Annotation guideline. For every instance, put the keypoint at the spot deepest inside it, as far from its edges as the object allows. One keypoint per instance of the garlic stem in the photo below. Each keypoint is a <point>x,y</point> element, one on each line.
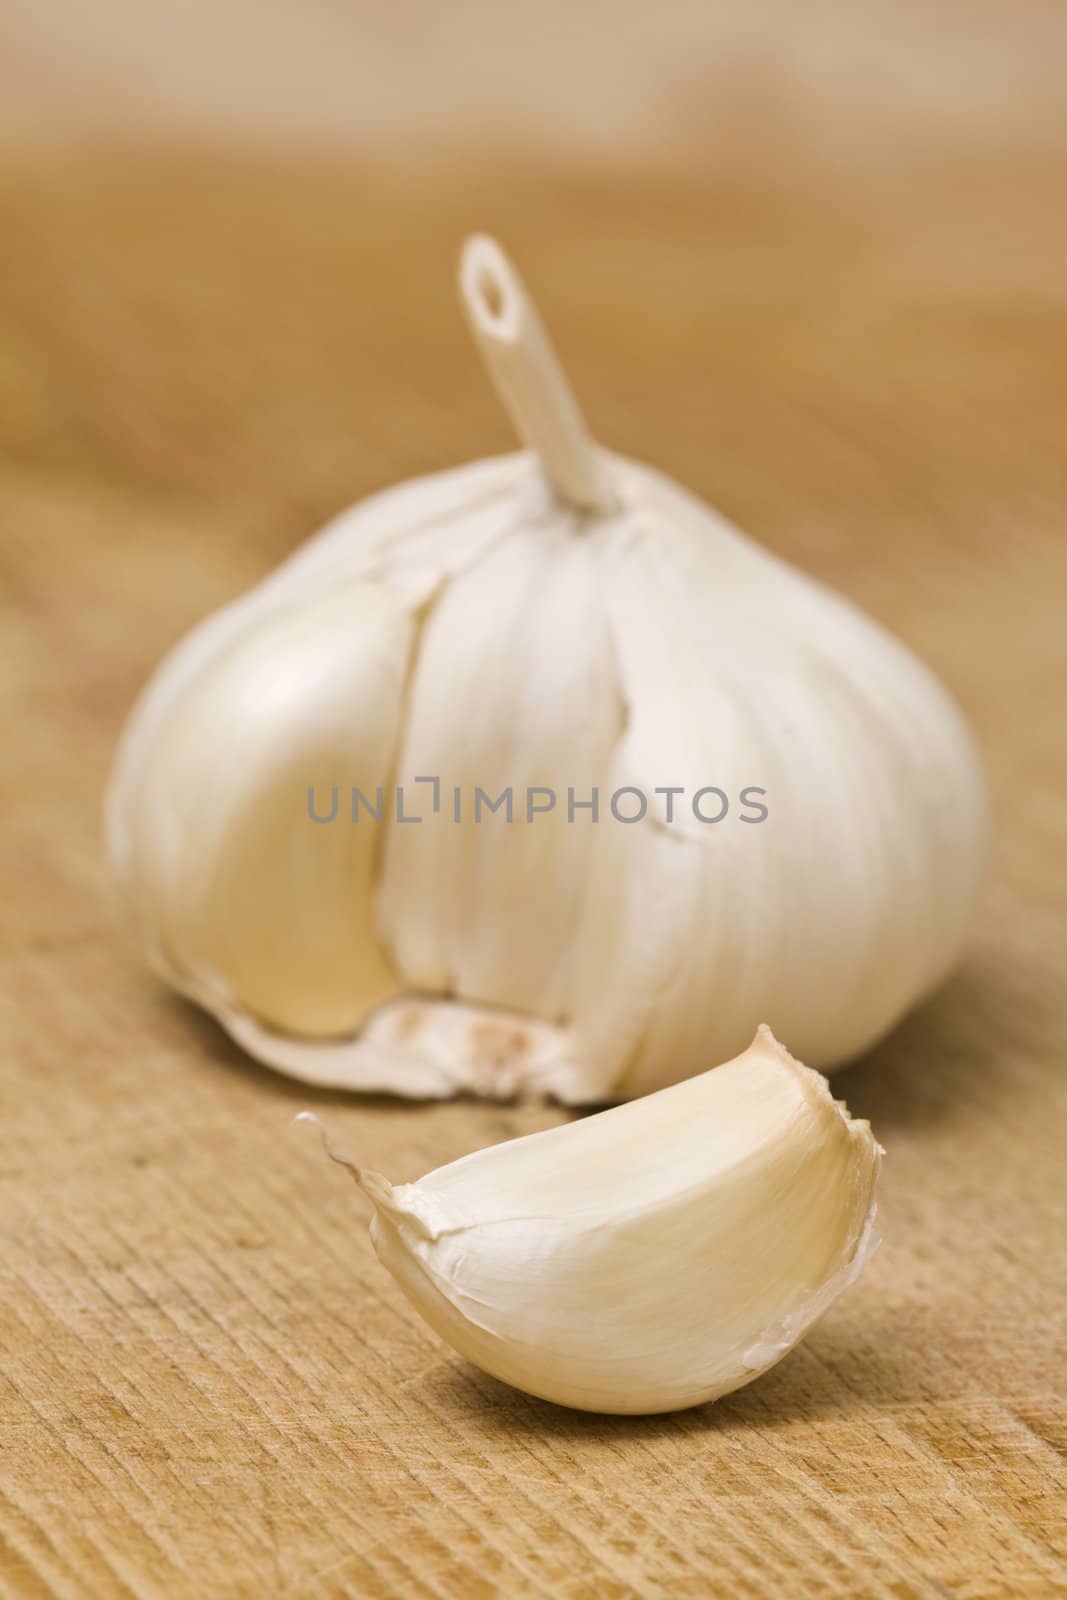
<point>527,376</point>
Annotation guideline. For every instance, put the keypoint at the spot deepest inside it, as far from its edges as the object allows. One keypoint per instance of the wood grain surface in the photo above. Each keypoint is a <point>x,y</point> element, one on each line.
<point>208,1386</point>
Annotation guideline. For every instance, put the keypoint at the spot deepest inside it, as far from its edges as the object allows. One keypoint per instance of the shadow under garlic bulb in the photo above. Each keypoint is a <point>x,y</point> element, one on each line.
<point>556,622</point>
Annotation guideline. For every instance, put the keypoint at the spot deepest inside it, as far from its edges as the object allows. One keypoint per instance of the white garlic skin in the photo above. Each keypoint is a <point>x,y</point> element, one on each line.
<point>651,1257</point>
<point>688,656</point>
<point>477,626</point>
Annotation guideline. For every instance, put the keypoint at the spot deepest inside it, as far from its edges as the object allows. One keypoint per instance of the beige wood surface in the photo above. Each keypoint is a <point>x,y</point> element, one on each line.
<point>207,1384</point>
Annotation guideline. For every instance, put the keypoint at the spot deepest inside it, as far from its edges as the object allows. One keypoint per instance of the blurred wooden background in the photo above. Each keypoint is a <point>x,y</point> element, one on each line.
<point>811,262</point>
<point>607,80</point>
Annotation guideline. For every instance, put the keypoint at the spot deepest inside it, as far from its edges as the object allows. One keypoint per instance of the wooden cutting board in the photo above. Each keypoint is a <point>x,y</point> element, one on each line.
<point>208,1387</point>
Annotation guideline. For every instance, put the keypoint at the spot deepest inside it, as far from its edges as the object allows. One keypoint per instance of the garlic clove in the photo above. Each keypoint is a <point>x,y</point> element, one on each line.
<point>843,728</point>
<point>485,908</point>
<point>239,889</point>
<point>650,1257</point>
<point>180,743</point>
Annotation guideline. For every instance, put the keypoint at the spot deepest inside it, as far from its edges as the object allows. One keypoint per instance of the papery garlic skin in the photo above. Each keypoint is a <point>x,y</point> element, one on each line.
<point>563,617</point>
<point>650,1257</point>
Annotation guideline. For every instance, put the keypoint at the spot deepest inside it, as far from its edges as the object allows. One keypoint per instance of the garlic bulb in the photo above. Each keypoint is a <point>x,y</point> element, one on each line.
<point>649,1257</point>
<point>729,795</point>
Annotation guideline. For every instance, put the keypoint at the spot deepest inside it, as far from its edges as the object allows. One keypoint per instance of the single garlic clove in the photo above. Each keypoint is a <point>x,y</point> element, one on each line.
<point>485,908</point>
<point>650,1257</point>
<point>875,795</point>
<point>236,885</point>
